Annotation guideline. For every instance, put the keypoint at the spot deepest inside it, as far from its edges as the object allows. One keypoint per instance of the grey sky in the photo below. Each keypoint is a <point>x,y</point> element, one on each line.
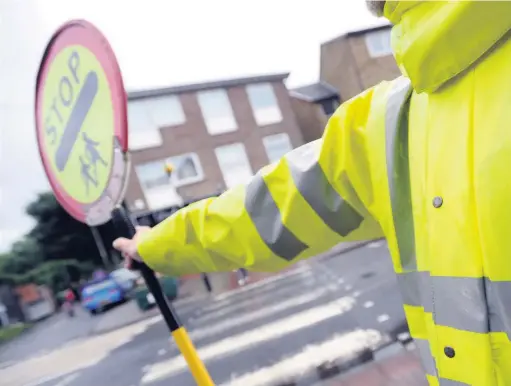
<point>158,43</point>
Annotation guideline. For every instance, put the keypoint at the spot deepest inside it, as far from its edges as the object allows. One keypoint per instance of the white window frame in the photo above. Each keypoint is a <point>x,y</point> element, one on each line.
<point>168,190</point>
<point>267,115</point>
<point>218,124</point>
<point>173,179</point>
<point>276,137</point>
<point>378,43</point>
<point>245,160</point>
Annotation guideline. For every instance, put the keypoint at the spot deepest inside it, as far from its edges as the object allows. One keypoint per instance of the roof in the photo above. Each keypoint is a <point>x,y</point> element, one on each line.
<point>361,31</point>
<point>314,92</point>
<point>140,94</point>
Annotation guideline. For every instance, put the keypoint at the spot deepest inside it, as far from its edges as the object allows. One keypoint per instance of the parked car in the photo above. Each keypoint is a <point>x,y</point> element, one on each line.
<point>145,299</point>
<point>125,278</point>
<point>100,294</point>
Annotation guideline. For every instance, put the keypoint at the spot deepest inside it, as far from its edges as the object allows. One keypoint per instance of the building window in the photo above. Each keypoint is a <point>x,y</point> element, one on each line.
<point>264,103</point>
<point>277,146</point>
<point>147,116</point>
<point>159,189</point>
<point>166,111</point>
<point>234,164</point>
<point>378,43</point>
<point>217,111</point>
<point>142,134</point>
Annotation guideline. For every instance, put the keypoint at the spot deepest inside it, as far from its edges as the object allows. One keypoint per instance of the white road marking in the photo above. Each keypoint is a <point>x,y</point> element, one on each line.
<point>67,380</point>
<point>304,269</point>
<point>368,304</point>
<point>263,285</point>
<point>248,303</point>
<point>375,244</point>
<point>382,318</point>
<point>37,371</point>
<point>340,346</point>
<point>403,336</point>
<point>270,331</point>
<point>257,314</point>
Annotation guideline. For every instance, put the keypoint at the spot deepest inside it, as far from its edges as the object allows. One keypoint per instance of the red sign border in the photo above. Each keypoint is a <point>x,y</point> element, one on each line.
<point>83,33</point>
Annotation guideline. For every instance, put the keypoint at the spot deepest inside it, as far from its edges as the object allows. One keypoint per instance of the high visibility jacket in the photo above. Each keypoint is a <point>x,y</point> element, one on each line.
<point>424,160</point>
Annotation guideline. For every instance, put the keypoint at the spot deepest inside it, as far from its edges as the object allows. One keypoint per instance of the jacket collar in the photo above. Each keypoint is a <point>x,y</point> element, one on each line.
<point>433,41</point>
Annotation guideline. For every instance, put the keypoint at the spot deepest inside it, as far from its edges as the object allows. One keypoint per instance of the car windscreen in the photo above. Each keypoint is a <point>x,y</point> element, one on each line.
<point>97,287</point>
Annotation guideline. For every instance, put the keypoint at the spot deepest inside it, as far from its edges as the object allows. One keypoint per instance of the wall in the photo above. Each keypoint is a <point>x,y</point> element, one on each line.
<point>346,65</point>
<point>311,118</point>
<point>192,136</point>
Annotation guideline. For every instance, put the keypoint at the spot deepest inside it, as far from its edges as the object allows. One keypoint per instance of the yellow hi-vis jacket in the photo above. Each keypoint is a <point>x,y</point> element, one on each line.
<point>425,161</point>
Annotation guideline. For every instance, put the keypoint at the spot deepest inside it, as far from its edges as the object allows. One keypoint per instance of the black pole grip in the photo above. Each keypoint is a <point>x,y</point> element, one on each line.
<point>126,228</point>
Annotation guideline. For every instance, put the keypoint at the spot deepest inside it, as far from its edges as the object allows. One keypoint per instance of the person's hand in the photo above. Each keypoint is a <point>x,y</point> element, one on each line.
<point>128,247</point>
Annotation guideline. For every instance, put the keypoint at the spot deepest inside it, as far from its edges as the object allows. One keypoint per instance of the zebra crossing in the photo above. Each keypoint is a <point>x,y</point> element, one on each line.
<point>273,332</point>
<point>280,329</point>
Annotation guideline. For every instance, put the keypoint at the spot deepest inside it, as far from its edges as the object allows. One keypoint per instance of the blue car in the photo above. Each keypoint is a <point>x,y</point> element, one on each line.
<point>100,294</point>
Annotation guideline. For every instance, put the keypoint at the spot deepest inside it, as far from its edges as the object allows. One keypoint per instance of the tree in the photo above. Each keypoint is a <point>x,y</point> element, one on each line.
<point>60,236</point>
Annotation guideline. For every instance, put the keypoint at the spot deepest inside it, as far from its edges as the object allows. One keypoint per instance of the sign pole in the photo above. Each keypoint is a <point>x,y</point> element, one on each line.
<point>82,136</point>
<point>101,246</point>
<point>126,228</point>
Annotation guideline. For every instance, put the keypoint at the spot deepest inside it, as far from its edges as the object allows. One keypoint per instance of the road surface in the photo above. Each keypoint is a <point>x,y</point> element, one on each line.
<point>262,334</point>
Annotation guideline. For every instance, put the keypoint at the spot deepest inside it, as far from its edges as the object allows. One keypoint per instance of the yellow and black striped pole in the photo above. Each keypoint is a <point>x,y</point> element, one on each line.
<point>126,228</point>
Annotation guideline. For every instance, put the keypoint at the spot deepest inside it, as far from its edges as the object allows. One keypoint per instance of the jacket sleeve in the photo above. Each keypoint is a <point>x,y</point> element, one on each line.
<point>315,197</point>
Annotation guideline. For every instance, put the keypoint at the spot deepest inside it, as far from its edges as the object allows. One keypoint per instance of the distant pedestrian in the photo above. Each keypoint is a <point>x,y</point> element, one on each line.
<point>207,283</point>
<point>242,276</point>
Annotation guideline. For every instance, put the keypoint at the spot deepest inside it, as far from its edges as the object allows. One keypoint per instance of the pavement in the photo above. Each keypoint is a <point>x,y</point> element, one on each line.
<point>276,330</point>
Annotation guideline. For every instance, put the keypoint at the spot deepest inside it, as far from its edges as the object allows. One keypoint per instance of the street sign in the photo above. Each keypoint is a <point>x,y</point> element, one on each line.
<point>81,122</point>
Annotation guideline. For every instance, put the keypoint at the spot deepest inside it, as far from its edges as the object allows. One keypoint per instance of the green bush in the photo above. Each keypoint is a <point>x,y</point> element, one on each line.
<point>11,332</point>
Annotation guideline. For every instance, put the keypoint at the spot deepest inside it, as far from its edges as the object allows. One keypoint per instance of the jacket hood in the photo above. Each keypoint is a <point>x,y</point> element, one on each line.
<point>433,41</point>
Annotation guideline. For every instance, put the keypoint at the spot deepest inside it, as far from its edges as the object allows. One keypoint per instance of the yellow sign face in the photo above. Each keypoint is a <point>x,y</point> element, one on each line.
<point>78,119</point>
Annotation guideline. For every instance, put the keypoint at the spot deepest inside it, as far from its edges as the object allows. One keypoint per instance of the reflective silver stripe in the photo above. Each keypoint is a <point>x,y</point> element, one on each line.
<point>465,303</point>
<point>448,382</point>
<point>460,303</point>
<point>415,289</point>
<point>428,362</point>
<point>398,170</point>
<point>266,217</point>
<point>313,185</point>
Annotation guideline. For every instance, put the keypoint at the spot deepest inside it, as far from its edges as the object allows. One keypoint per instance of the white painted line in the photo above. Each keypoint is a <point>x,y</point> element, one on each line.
<point>368,304</point>
<point>243,305</point>
<point>375,244</point>
<point>333,287</point>
<point>382,318</point>
<point>305,269</point>
<point>263,285</point>
<point>337,348</point>
<point>260,313</point>
<point>67,380</point>
<point>234,344</point>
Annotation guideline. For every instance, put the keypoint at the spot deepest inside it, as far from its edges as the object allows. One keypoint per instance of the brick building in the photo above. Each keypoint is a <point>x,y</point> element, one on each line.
<point>349,64</point>
<point>215,135</point>
<point>358,60</point>
<point>313,104</point>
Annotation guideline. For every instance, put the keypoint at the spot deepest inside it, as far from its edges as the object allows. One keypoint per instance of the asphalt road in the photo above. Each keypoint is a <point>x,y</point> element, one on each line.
<point>262,334</point>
